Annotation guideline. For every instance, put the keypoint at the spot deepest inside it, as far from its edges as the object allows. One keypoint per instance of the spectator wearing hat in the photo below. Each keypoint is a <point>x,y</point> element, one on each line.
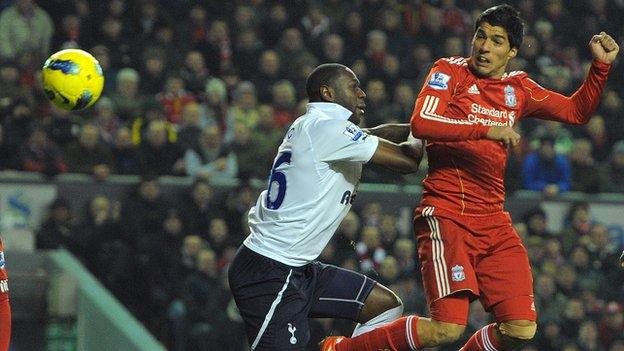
<point>546,171</point>
<point>613,169</point>
<point>216,102</point>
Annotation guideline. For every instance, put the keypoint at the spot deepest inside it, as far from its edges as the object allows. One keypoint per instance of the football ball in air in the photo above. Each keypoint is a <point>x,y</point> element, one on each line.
<point>72,79</point>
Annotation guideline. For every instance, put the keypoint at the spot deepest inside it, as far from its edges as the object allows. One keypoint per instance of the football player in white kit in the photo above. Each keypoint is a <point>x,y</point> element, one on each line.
<point>275,279</point>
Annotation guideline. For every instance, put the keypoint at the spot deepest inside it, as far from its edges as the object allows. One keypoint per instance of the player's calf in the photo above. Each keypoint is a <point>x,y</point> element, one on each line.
<point>435,333</point>
<point>516,333</point>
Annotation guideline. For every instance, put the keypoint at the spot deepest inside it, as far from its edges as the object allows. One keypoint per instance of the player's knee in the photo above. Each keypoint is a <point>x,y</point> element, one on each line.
<point>385,298</point>
<point>520,330</point>
<point>446,333</point>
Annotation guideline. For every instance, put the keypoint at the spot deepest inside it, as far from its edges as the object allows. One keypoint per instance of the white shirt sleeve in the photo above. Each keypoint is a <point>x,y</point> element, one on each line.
<point>341,140</point>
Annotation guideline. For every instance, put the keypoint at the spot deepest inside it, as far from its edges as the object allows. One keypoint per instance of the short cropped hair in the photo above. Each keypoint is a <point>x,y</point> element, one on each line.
<point>324,74</point>
<point>507,17</point>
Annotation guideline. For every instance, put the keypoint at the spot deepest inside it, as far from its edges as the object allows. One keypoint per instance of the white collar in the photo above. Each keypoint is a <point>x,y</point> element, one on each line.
<point>330,109</point>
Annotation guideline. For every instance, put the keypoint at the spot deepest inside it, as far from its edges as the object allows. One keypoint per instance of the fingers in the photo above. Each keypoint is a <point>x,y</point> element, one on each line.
<point>607,42</point>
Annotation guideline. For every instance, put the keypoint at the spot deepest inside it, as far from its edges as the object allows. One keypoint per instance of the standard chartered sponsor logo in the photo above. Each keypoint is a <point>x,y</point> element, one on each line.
<point>492,112</point>
<point>486,122</point>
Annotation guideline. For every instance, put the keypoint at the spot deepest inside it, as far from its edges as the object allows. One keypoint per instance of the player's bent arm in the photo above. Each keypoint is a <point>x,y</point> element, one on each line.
<point>395,133</point>
<point>403,158</point>
<point>576,109</point>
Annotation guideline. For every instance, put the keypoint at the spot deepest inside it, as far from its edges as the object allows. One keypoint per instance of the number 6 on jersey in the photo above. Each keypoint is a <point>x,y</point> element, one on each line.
<point>273,202</point>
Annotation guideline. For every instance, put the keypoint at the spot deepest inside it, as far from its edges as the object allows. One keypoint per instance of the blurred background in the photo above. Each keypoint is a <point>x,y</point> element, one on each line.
<point>120,221</point>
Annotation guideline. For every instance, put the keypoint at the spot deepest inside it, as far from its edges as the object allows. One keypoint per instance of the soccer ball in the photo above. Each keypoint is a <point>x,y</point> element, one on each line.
<point>72,79</point>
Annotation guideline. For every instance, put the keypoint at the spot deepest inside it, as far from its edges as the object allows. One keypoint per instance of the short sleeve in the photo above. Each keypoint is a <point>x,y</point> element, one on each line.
<point>340,140</point>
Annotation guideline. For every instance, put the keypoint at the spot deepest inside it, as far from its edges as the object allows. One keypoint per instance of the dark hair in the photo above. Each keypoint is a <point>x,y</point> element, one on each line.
<point>324,74</point>
<point>507,17</point>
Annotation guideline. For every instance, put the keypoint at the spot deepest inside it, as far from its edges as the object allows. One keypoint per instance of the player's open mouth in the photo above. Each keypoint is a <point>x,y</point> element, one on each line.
<point>361,108</point>
<point>482,61</point>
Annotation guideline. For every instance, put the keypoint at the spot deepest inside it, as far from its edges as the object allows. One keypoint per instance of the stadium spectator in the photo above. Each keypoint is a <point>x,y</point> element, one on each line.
<point>586,175</point>
<point>211,158</point>
<point>190,128</point>
<point>106,120</point>
<point>194,72</point>
<point>267,73</point>
<point>205,299</point>
<point>611,324</point>
<point>25,28</point>
<point>58,229</point>
<point>157,154</point>
<point>153,72</point>
<point>174,97</point>
<point>370,250</point>
<point>244,109</point>
<point>199,207</point>
<point>284,103</point>
<point>124,153</point>
<point>40,154</point>
<point>216,102</point>
<point>126,98</point>
<point>88,155</point>
<point>613,169</point>
<point>546,171</point>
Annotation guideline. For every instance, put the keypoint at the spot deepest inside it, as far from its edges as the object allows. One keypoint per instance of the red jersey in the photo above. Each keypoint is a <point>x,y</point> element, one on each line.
<point>455,110</point>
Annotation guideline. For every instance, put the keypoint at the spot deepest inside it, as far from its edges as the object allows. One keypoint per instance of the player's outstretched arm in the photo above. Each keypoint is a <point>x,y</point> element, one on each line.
<point>403,158</point>
<point>396,133</point>
<point>578,108</point>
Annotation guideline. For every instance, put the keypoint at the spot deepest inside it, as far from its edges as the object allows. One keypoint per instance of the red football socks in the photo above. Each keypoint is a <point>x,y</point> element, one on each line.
<point>482,340</point>
<point>398,335</point>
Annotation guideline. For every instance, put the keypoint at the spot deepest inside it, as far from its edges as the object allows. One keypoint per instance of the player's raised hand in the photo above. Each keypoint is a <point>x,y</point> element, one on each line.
<point>505,134</point>
<point>603,47</point>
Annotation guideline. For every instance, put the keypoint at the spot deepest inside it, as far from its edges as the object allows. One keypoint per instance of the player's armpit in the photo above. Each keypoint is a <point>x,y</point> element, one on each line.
<point>403,158</point>
<point>577,109</point>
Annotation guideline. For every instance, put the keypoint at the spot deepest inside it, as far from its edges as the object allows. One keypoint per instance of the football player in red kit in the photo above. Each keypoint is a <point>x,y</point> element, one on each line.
<point>467,246</point>
<point>5,308</point>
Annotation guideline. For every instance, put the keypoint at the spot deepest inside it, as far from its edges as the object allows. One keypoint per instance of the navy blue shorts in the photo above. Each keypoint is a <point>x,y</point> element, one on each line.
<point>276,300</point>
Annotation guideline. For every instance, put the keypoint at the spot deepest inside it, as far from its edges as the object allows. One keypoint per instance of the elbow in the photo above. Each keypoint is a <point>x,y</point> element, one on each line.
<point>409,167</point>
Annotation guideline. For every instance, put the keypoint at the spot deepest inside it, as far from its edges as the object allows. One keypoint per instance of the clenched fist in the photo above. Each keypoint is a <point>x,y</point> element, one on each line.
<point>603,47</point>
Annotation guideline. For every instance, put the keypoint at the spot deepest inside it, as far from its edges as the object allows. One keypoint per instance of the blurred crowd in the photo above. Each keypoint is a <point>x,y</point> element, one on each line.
<point>206,89</point>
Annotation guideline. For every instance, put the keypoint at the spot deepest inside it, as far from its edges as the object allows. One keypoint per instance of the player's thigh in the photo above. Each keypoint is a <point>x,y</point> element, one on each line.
<point>340,293</point>
<point>273,300</point>
<point>505,280</point>
<point>446,257</point>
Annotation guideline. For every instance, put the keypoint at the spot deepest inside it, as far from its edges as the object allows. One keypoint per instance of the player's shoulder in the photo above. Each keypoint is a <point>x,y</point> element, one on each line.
<point>454,61</point>
<point>516,75</point>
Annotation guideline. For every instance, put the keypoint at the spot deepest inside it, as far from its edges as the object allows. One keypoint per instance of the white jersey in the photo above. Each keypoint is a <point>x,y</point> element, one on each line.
<point>313,182</point>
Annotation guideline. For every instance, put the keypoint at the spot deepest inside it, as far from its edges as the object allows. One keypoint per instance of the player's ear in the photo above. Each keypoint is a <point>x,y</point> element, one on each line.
<point>327,93</point>
<point>512,53</point>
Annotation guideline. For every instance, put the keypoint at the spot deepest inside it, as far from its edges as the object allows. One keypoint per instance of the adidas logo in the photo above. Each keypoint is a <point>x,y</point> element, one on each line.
<point>473,89</point>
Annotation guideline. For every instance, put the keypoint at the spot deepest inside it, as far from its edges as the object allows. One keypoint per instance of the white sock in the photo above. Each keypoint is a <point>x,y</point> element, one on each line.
<point>379,320</point>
